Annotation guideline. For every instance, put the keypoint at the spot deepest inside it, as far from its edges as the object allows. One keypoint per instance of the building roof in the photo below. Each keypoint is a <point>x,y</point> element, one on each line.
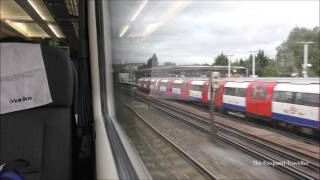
<point>188,68</point>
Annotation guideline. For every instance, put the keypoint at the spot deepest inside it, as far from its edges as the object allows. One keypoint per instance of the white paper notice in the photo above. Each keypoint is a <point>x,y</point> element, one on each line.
<point>24,82</point>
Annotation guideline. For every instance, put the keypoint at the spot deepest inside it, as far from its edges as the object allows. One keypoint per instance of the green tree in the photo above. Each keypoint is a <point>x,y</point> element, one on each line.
<point>143,66</point>
<point>261,61</point>
<point>270,70</point>
<point>239,62</point>
<point>290,53</point>
<point>221,60</point>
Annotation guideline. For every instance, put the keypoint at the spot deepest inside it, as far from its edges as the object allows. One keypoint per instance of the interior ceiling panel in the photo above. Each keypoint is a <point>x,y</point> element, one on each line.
<point>60,13</point>
<point>32,18</point>
<point>43,10</point>
<point>72,6</point>
<point>28,29</point>
<point>7,31</point>
<point>9,9</point>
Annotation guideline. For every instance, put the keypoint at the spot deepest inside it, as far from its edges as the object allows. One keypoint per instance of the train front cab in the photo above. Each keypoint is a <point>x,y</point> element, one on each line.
<point>258,99</point>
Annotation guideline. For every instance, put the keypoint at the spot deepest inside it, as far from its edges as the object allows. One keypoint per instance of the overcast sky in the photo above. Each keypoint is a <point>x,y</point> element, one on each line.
<point>187,32</point>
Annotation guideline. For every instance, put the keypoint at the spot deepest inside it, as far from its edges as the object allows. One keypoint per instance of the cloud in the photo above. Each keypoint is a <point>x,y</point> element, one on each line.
<point>203,29</point>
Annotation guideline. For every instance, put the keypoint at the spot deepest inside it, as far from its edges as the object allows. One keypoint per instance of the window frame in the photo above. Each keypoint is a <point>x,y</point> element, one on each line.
<point>198,87</point>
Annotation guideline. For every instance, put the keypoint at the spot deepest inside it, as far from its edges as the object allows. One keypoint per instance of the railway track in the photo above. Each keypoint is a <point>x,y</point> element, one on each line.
<point>309,139</point>
<point>293,163</point>
<point>196,164</point>
<point>313,140</point>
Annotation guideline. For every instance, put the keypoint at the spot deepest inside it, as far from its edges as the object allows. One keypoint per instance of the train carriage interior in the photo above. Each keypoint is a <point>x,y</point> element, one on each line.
<point>151,89</point>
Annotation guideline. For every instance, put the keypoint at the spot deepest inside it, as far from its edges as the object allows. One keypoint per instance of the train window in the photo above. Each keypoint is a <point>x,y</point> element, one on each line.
<point>229,91</point>
<point>153,83</point>
<point>176,85</point>
<point>163,84</point>
<point>181,42</point>
<point>259,91</point>
<point>240,92</point>
<point>283,96</point>
<point>307,99</point>
<point>196,87</point>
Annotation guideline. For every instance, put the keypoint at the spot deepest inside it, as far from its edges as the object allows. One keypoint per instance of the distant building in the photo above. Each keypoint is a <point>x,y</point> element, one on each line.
<point>126,72</point>
<point>189,71</point>
<point>124,77</point>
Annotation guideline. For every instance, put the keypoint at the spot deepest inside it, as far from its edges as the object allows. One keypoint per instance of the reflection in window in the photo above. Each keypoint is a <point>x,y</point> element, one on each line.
<point>240,92</point>
<point>229,91</point>
<point>163,84</point>
<point>178,86</point>
<point>283,96</point>
<point>259,91</point>
<point>196,87</point>
<point>307,99</point>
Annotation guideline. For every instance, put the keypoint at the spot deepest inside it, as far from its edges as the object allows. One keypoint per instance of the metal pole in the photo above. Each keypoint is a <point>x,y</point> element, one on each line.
<point>229,65</point>
<point>305,61</point>
<point>213,126</point>
<point>229,68</point>
<point>253,66</point>
<point>253,63</point>
<point>305,57</point>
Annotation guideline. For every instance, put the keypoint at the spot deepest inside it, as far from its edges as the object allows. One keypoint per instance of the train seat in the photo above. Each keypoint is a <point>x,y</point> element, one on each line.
<point>43,135</point>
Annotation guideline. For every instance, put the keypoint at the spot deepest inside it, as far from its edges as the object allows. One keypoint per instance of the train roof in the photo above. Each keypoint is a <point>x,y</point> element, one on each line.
<point>313,88</point>
<point>278,80</point>
<point>315,80</point>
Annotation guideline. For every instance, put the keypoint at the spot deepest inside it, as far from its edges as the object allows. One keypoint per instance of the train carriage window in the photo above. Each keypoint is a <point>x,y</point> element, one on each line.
<point>283,96</point>
<point>307,99</point>
<point>163,84</point>
<point>240,92</point>
<point>176,85</point>
<point>229,91</point>
<point>259,91</point>
<point>196,87</point>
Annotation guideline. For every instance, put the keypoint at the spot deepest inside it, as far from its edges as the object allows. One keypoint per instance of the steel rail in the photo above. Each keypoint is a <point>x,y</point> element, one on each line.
<point>203,170</point>
<point>195,121</point>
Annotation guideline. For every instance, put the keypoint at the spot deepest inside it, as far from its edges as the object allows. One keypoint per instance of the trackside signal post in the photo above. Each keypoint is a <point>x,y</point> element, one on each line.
<point>214,85</point>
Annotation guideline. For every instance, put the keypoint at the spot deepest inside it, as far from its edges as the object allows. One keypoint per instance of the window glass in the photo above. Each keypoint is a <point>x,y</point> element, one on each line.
<point>259,91</point>
<point>240,92</point>
<point>153,84</point>
<point>175,85</point>
<point>307,99</point>
<point>163,84</point>
<point>229,91</point>
<point>283,96</point>
<point>185,41</point>
<point>196,87</point>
